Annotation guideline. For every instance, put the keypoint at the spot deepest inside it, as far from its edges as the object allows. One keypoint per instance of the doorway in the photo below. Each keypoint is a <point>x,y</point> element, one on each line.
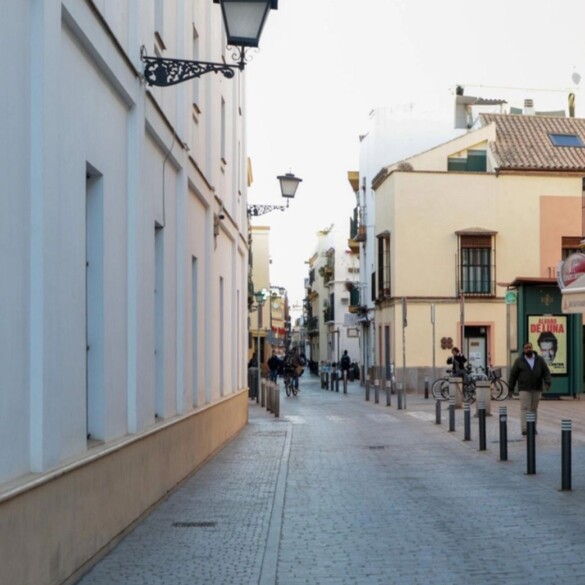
<point>475,346</point>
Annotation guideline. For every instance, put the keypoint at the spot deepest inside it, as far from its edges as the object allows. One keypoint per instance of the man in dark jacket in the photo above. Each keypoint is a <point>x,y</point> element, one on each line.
<point>531,372</point>
<point>274,364</point>
<point>457,362</point>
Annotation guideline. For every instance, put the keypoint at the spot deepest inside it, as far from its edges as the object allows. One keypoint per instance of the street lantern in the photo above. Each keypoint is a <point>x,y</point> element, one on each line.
<point>288,185</point>
<point>288,189</point>
<point>243,21</point>
<point>261,296</point>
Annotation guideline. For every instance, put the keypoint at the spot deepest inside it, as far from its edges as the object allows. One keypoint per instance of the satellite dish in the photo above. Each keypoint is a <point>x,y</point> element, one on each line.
<point>576,78</point>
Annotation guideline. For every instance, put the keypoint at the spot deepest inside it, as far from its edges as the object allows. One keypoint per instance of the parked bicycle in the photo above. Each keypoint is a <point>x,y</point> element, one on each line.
<point>499,389</point>
<point>440,387</point>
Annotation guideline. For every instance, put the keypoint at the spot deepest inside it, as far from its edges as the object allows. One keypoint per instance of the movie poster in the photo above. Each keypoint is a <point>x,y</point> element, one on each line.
<point>548,335</point>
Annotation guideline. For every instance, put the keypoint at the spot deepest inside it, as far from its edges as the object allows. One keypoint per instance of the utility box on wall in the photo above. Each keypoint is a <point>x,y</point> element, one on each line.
<point>557,337</point>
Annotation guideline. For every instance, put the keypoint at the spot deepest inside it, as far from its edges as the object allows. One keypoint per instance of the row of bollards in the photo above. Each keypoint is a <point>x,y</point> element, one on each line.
<point>389,388</point>
<point>330,379</point>
<point>566,439</point>
<point>331,376</point>
<point>270,397</point>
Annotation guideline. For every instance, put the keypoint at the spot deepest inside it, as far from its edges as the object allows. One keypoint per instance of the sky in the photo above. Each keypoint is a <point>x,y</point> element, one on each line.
<point>324,65</point>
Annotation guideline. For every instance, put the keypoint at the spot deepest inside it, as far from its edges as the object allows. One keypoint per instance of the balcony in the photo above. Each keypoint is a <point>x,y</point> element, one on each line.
<point>312,325</point>
<point>327,272</point>
<point>328,314</point>
<point>361,234</point>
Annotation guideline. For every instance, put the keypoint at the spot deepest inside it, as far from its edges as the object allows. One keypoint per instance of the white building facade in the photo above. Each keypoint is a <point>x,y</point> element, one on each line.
<point>330,268</point>
<point>123,250</point>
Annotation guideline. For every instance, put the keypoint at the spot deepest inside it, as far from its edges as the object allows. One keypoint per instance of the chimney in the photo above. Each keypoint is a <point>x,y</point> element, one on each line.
<point>529,107</point>
<point>571,105</point>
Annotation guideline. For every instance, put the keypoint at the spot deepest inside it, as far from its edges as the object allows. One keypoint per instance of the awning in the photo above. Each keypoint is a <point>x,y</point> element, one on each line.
<point>574,296</point>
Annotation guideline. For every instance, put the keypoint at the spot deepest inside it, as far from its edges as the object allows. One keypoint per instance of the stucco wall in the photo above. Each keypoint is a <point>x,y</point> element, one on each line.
<point>52,525</point>
<point>423,211</point>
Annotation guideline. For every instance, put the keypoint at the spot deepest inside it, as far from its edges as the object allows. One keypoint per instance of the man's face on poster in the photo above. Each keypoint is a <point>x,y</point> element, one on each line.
<point>547,351</point>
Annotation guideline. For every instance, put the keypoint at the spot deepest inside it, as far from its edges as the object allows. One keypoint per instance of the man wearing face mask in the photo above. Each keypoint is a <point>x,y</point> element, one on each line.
<point>531,373</point>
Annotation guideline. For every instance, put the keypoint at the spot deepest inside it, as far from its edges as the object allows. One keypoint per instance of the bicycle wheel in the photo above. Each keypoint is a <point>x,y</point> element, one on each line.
<point>505,389</point>
<point>469,392</point>
<point>445,390</point>
<point>496,390</point>
<point>436,389</point>
<point>287,386</point>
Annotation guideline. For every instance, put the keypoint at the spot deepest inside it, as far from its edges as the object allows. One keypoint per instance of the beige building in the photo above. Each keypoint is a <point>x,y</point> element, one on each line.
<point>458,224</point>
<point>268,317</point>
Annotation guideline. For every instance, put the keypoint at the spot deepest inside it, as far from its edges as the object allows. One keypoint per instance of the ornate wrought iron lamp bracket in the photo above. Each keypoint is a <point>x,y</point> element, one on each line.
<point>255,210</point>
<point>164,72</point>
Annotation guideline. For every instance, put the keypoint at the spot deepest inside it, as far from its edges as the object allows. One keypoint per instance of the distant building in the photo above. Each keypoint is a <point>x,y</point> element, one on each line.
<point>330,325</point>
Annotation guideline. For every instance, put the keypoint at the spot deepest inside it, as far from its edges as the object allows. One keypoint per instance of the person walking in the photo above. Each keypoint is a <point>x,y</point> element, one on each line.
<point>274,366</point>
<point>532,374</point>
<point>345,365</point>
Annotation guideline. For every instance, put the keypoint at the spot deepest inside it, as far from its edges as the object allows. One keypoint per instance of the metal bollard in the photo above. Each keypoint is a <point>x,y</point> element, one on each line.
<point>276,400</point>
<point>367,390</point>
<point>466,422</point>
<point>262,393</point>
<point>426,387</point>
<point>376,391</point>
<point>268,396</point>
<point>336,381</point>
<point>566,427</point>
<point>438,412</point>
<point>400,396</point>
<point>388,392</point>
<point>345,381</point>
<point>503,433</point>
<point>482,429</point>
<point>451,414</point>
<point>530,443</point>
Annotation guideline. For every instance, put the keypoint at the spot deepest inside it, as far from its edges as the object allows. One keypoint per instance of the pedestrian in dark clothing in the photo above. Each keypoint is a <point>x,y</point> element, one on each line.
<point>345,365</point>
<point>457,361</point>
<point>531,373</point>
<point>273,366</point>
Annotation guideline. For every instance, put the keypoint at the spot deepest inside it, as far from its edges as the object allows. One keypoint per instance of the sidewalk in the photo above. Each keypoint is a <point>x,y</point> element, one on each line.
<point>342,491</point>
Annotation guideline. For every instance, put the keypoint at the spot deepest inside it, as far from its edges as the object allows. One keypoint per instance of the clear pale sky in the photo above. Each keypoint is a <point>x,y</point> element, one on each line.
<point>323,65</point>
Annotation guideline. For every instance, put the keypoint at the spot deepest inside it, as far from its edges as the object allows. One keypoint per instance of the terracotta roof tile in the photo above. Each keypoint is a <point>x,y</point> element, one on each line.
<point>523,142</point>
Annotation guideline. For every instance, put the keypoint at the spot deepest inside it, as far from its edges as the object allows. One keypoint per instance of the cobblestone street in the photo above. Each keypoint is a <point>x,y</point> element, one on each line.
<point>341,491</point>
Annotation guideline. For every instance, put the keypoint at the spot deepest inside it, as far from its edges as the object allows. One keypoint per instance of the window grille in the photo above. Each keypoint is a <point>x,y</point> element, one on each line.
<point>476,265</point>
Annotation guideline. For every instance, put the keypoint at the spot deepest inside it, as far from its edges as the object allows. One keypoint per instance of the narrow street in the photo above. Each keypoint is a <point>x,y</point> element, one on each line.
<point>341,491</point>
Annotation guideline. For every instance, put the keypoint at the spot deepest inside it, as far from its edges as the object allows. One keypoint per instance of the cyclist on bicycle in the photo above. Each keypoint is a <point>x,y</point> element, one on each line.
<point>292,364</point>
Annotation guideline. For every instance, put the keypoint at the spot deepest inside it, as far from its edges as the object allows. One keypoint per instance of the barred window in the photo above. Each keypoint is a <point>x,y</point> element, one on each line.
<point>477,269</point>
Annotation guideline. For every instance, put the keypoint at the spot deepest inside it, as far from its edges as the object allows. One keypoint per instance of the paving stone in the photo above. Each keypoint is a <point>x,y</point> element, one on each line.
<point>340,491</point>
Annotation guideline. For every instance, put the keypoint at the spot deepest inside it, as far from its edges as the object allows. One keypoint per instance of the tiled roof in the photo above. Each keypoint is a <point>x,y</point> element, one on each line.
<point>523,143</point>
